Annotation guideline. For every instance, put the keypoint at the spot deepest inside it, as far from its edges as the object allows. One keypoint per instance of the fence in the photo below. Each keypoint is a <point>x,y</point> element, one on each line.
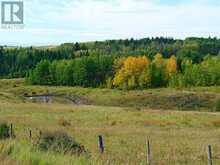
<point>101,146</point>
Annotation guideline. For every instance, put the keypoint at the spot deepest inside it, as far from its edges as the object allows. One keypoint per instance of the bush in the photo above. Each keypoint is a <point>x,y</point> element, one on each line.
<point>217,105</point>
<point>59,142</point>
<point>4,131</point>
<point>33,93</point>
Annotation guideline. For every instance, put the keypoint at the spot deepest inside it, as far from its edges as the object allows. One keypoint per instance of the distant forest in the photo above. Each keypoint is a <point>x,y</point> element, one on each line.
<point>21,62</point>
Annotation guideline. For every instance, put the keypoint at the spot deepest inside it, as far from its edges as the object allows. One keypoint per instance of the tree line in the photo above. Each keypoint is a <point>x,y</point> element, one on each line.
<point>132,72</point>
<point>15,62</point>
<point>88,71</point>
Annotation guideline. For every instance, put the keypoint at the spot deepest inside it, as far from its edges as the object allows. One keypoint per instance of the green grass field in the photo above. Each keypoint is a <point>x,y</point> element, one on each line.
<point>179,123</point>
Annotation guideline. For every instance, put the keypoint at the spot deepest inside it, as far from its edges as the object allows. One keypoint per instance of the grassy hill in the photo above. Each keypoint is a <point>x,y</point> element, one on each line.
<point>200,99</point>
<point>124,118</point>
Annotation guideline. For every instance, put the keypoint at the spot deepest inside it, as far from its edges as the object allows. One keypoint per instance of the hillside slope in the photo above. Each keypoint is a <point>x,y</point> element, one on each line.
<point>164,98</point>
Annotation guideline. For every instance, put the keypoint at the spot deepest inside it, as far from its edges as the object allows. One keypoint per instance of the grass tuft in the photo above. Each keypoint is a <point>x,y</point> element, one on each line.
<point>63,122</point>
<point>4,131</point>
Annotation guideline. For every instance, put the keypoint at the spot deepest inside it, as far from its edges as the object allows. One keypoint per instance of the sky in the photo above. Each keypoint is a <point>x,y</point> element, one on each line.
<point>52,22</point>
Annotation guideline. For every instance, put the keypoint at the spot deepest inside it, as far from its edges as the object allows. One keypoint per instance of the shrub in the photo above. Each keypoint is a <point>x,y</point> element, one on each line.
<point>59,142</point>
<point>33,93</point>
<point>4,131</point>
<point>113,123</point>
<point>217,105</point>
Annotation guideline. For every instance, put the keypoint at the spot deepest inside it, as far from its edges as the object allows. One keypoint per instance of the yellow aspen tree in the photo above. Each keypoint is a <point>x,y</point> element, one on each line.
<point>171,66</point>
<point>130,71</point>
<point>119,78</point>
<point>131,82</point>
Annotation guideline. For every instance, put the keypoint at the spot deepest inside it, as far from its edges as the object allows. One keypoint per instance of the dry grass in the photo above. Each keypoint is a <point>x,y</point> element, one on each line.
<point>216,123</point>
<point>63,122</point>
<point>167,99</point>
<point>158,122</point>
<point>176,137</point>
<point>7,161</point>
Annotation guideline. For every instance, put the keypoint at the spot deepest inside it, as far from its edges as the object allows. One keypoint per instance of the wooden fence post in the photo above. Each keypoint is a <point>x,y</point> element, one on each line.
<point>209,155</point>
<point>11,130</point>
<point>30,134</point>
<point>101,144</point>
<point>148,151</point>
<point>40,133</point>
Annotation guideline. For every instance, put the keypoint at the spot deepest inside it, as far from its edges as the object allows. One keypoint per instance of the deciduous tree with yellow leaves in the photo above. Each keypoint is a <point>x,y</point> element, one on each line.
<point>128,76</point>
<point>171,67</point>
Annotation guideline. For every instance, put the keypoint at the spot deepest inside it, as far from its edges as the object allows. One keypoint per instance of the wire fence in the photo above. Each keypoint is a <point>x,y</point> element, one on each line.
<point>149,159</point>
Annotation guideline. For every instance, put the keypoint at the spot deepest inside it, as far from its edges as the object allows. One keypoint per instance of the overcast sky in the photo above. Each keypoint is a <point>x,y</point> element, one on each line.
<point>58,21</point>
